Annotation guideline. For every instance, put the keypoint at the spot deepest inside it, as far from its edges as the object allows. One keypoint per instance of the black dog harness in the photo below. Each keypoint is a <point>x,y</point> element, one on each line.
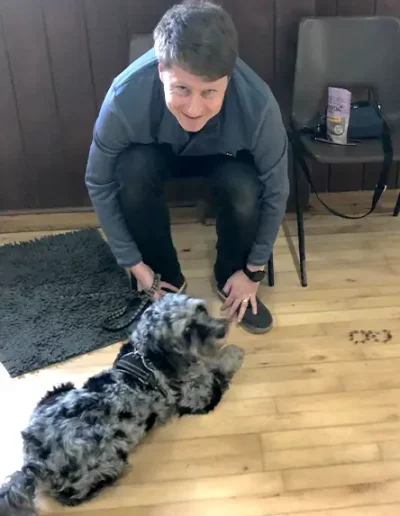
<point>134,365</point>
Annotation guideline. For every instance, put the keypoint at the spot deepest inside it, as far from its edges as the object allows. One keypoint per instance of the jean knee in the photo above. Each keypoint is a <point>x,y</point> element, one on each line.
<point>139,168</point>
<point>238,187</point>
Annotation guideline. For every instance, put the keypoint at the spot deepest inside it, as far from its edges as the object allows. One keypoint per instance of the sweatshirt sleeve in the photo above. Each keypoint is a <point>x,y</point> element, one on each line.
<point>111,136</point>
<point>270,148</point>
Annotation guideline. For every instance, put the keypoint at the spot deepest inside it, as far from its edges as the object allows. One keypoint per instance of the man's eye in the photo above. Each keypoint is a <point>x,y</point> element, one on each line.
<point>208,93</point>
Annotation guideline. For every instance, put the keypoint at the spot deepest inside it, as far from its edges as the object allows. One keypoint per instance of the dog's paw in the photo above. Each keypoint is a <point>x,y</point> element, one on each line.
<point>231,359</point>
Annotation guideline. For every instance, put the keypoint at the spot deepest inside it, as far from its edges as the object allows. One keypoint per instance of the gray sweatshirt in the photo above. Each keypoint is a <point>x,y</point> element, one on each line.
<point>134,111</point>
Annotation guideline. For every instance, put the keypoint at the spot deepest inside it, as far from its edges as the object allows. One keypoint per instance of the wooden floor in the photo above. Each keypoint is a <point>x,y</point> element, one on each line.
<point>311,424</point>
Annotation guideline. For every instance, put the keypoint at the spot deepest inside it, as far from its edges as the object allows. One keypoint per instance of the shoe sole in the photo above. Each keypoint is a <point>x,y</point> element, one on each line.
<point>183,288</point>
<point>248,327</point>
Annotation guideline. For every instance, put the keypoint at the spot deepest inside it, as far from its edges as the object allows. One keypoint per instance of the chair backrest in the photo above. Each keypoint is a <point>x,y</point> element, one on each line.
<point>349,52</point>
<point>138,45</point>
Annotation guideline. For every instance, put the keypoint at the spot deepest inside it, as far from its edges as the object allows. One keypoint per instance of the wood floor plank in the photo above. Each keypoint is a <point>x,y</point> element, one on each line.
<point>49,220</point>
<point>340,475</point>
<point>391,249</point>
<point>15,238</point>
<point>310,354</point>
<point>337,302</point>
<point>321,370</point>
<point>260,389</point>
<point>382,510</point>
<point>318,343</point>
<point>370,433</point>
<point>216,466</point>
<point>341,401</point>
<point>378,351</point>
<point>321,456</point>
<point>365,239</point>
<point>363,381</point>
<point>395,266</point>
<point>300,297</point>
<point>199,448</point>
<point>386,313</point>
<point>390,450</point>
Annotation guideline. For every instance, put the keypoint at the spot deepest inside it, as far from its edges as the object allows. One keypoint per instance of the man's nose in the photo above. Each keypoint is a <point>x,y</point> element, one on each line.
<point>195,106</point>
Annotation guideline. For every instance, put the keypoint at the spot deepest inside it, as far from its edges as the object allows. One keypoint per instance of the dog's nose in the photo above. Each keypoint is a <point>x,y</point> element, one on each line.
<point>222,328</point>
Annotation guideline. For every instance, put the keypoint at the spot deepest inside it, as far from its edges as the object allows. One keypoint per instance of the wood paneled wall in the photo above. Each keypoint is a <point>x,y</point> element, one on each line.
<point>58,58</point>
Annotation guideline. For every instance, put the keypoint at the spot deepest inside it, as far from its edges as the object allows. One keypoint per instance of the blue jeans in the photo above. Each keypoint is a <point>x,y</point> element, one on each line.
<point>142,171</point>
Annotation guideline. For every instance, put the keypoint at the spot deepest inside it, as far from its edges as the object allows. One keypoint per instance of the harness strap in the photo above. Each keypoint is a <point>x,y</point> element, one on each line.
<point>134,365</point>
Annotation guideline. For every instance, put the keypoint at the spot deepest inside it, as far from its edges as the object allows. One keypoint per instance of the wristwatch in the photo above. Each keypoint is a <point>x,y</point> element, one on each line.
<point>255,276</point>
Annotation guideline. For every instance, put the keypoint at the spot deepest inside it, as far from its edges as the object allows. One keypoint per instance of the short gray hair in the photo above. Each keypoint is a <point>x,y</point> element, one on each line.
<point>198,36</point>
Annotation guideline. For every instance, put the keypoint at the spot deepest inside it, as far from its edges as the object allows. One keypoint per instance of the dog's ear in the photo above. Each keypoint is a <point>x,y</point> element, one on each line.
<point>124,349</point>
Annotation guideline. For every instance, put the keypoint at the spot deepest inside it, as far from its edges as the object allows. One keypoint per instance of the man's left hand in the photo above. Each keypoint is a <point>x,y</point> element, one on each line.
<point>241,292</point>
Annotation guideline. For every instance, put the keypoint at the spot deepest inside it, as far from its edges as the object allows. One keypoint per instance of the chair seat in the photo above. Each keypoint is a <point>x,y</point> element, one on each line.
<point>369,151</point>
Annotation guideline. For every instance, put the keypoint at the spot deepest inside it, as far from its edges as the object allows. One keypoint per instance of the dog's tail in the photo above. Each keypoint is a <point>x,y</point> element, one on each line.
<point>17,494</point>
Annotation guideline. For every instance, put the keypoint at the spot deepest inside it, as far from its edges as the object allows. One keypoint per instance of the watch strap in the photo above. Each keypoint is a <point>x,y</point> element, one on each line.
<point>255,276</point>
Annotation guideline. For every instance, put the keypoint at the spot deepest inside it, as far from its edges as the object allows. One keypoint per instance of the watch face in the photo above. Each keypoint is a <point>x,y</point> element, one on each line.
<point>257,275</point>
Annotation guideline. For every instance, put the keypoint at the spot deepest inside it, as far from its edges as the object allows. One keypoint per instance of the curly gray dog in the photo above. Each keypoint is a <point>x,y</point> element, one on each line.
<point>78,439</point>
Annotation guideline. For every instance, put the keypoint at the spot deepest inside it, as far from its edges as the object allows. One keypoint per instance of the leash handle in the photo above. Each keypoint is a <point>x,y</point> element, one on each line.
<point>110,322</point>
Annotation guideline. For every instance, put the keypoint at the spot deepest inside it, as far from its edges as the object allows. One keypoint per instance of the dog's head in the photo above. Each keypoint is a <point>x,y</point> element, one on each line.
<point>179,329</point>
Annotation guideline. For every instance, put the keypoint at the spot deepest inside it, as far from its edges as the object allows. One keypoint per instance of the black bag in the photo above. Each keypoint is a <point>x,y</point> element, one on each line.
<point>366,122</point>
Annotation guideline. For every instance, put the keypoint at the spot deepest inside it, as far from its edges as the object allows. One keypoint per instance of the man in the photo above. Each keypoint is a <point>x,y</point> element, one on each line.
<point>191,104</point>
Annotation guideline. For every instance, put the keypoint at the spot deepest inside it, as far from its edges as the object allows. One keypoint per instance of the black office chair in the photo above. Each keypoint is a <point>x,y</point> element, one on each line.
<point>344,52</point>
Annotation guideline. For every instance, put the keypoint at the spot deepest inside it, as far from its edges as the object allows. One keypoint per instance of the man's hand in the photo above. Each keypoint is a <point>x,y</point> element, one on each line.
<point>145,277</point>
<point>240,291</point>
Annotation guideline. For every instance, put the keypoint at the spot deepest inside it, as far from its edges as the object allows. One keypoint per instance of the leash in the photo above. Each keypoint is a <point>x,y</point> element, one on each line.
<point>138,301</point>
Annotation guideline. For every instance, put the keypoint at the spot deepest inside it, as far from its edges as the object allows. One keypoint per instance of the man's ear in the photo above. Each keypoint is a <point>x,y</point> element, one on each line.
<point>160,72</point>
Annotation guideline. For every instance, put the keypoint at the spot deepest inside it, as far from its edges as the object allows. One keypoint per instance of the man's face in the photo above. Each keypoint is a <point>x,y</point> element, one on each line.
<point>191,99</point>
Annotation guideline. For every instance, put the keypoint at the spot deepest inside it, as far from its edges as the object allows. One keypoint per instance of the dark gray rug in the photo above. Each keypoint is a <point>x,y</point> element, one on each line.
<point>54,293</point>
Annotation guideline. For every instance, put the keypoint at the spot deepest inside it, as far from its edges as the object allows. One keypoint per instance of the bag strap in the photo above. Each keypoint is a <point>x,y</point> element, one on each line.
<point>381,186</point>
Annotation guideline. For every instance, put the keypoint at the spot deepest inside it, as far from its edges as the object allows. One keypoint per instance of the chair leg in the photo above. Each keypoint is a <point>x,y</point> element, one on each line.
<point>271,274</point>
<point>397,207</point>
<point>300,227</point>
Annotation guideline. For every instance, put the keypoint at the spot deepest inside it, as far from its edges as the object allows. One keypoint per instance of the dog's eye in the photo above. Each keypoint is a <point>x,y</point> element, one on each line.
<point>187,333</point>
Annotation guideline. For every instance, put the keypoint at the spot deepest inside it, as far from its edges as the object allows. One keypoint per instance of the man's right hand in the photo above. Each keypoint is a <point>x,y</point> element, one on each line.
<point>145,277</point>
